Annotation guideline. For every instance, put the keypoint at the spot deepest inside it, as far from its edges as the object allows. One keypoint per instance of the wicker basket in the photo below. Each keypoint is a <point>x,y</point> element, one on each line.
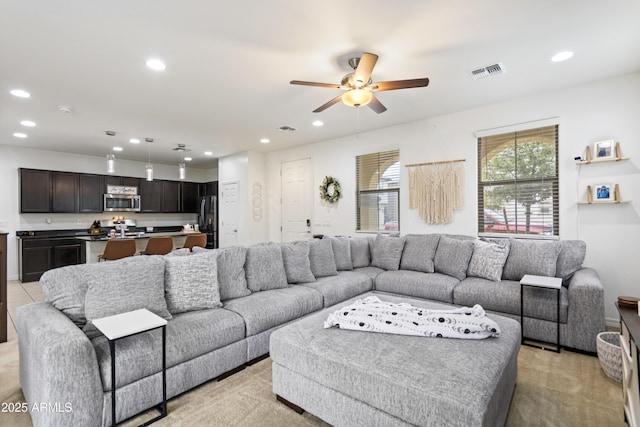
<point>610,355</point>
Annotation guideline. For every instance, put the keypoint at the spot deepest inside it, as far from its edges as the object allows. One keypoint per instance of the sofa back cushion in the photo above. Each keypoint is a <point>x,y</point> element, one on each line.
<point>265,268</point>
<point>295,256</point>
<point>489,256</point>
<point>191,282</point>
<point>387,252</point>
<point>124,285</point>
<point>65,288</point>
<point>341,252</point>
<point>232,280</point>
<point>360,251</point>
<point>323,263</point>
<point>537,257</point>
<point>452,257</point>
<point>570,258</point>
<point>419,252</point>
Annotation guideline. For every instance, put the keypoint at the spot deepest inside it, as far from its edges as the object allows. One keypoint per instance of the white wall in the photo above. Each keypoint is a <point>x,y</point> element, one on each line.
<point>12,158</point>
<point>606,109</point>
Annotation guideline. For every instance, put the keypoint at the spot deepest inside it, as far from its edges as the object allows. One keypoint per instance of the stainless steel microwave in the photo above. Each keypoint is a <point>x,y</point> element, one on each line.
<point>121,203</point>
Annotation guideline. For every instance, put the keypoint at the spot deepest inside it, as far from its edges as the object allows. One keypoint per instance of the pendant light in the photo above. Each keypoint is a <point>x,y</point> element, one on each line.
<point>149,165</point>
<point>182,170</point>
<point>111,158</point>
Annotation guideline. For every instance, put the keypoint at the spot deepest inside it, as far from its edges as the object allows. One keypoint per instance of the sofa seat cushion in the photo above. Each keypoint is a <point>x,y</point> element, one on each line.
<point>345,285</point>
<point>370,272</point>
<point>504,297</point>
<point>189,335</point>
<point>433,286</point>
<point>267,309</point>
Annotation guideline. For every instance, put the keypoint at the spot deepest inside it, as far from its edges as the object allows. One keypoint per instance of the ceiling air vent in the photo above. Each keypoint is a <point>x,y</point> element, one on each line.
<point>286,129</point>
<point>489,70</point>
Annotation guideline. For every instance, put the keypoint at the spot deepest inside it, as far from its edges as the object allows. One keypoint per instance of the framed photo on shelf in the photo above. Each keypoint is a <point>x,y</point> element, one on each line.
<point>603,192</point>
<point>604,149</point>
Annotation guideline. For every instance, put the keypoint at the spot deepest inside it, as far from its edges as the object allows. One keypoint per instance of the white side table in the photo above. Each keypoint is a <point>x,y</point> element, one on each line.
<point>540,282</point>
<point>125,325</point>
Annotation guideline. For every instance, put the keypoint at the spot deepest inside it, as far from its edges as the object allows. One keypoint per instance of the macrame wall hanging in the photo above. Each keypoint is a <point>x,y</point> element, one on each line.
<point>436,189</point>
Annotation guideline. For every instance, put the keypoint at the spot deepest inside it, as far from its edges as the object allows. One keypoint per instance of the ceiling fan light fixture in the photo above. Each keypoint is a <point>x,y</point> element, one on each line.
<point>357,97</point>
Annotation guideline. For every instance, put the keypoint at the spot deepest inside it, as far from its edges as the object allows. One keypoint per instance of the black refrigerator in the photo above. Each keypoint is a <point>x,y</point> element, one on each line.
<point>208,219</point>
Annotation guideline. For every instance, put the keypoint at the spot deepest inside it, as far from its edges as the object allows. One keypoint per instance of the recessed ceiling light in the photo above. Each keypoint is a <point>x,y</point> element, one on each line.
<point>318,123</point>
<point>28,123</point>
<point>116,148</point>
<point>265,140</point>
<point>208,153</point>
<point>156,64</point>
<point>134,141</point>
<point>20,93</point>
<point>188,159</point>
<point>19,135</point>
<point>562,56</point>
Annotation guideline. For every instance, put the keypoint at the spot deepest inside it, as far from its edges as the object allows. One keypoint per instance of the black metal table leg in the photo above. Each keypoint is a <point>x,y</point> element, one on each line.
<point>112,349</point>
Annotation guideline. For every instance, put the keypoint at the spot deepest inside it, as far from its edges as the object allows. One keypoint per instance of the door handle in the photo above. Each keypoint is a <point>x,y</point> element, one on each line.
<point>308,223</point>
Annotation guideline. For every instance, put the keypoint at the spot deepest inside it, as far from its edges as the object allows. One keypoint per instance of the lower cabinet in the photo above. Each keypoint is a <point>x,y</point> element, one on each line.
<point>40,255</point>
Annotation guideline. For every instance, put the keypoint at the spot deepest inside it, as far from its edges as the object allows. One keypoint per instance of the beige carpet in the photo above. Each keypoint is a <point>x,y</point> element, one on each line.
<point>566,389</point>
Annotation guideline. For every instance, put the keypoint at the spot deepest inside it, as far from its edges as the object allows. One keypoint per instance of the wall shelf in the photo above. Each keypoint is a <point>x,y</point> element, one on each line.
<point>612,202</point>
<point>588,162</point>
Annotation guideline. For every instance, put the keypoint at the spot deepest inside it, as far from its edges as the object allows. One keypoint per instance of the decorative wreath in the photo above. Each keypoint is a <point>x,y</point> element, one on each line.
<point>333,195</point>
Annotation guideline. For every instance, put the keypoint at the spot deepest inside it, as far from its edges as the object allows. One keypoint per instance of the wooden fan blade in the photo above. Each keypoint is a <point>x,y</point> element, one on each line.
<point>326,105</point>
<point>362,74</point>
<point>328,85</point>
<point>376,105</point>
<point>399,84</point>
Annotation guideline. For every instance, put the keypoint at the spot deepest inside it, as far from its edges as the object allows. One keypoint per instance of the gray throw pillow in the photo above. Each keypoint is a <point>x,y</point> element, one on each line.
<point>570,258</point>
<point>537,257</point>
<point>179,252</point>
<point>295,256</point>
<point>360,251</point>
<point>191,283</point>
<point>419,252</point>
<point>489,256</point>
<point>125,285</point>
<point>452,257</point>
<point>323,263</point>
<point>341,252</point>
<point>386,252</point>
<point>232,279</point>
<point>264,268</point>
<point>65,288</point>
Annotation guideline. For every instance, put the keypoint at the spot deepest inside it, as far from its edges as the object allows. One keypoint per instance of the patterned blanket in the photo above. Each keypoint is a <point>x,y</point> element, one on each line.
<point>374,315</point>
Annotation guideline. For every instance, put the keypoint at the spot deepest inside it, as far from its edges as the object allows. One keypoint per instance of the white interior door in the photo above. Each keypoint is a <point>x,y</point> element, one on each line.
<point>229,213</point>
<point>297,190</point>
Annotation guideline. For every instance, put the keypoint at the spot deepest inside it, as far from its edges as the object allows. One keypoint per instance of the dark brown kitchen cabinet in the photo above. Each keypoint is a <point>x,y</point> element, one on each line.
<point>90,193</point>
<point>40,255</point>
<point>35,191</point>
<point>189,199</point>
<point>3,287</point>
<point>170,196</point>
<point>64,192</point>
<point>151,196</point>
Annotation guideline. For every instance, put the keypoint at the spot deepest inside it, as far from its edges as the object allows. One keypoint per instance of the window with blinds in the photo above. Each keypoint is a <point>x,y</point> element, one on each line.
<point>518,183</point>
<point>378,191</point>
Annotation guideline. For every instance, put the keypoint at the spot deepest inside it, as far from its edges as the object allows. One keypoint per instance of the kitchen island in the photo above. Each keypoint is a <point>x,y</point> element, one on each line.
<point>94,245</point>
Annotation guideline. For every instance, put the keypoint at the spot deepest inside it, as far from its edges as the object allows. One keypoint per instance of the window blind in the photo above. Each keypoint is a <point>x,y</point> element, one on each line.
<point>378,191</point>
<point>518,183</point>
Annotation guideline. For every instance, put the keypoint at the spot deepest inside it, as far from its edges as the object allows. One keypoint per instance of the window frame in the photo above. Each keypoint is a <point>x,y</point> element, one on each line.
<point>516,181</point>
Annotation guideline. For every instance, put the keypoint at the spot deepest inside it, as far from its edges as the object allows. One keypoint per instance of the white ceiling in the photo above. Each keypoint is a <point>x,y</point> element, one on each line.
<point>229,65</point>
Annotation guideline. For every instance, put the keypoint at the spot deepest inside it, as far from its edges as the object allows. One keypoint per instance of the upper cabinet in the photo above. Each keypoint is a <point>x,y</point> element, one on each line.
<point>35,191</point>
<point>43,191</point>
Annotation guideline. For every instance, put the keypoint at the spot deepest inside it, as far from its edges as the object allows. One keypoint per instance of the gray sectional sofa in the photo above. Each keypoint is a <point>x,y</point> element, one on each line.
<point>222,306</point>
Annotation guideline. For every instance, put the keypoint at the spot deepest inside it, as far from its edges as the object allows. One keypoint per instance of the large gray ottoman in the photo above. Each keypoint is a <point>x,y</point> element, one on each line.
<point>354,378</point>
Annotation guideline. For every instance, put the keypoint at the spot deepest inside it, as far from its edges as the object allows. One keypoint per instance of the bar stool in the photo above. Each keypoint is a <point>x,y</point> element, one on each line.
<point>117,249</point>
<point>158,246</point>
<point>195,240</point>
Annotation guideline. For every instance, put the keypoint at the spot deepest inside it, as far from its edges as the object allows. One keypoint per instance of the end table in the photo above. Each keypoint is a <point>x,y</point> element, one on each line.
<point>540,282</point>
<point>125,325</point>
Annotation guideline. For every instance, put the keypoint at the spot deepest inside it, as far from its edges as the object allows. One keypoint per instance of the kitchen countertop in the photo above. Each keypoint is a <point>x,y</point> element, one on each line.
<point>130,235</point>
<point>53,234</point>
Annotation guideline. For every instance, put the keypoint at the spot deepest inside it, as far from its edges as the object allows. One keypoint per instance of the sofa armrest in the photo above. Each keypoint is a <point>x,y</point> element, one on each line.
<point>59,372</point>
<point>586,309</point>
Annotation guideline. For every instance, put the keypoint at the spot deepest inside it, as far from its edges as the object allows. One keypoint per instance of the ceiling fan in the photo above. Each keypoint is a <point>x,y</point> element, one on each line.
<point>359,86</point>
